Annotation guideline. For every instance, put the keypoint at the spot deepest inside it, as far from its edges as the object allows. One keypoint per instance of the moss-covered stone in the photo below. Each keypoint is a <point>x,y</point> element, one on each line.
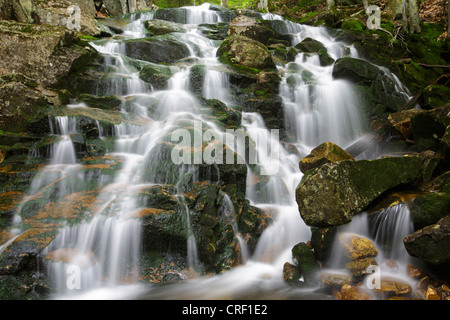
<point>325,153</point>
<point>159,27</point>
<point>429,209</point>
<point>158,49</point>
<point>333,193</point>
<point>306,262</point>
<point>244,53</point>
<point>431,243</point>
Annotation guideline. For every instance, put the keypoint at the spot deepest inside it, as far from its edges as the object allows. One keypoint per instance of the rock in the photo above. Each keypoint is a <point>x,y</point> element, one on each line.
<point>105,117</point>
<point>355,70</point>
<point>435,95</point>
<point>161,27</point>
<point>6,10</point>
<point>269,106</point>
<point>21,275</point>
<point>349,292</point>
<point>333,279</point>
<point>42,53</point>
<point>322,240</point>
<point>445,143</point>
<point>291,273</point>
<point>252,28</point>
<point>358,268</point>
<point>376,88</point>
<point>245,52</point>
<point>310,45</point>
<point>428,209</point>
<point>114,7</point>
<point>100,102</point>
<point>393,286</point>
<point>217,31</point>
<point>327,152</point>
<point>431,243</point>
<point>156,49</point>
<point>432,294</point>
<point>306,262</point>
<point>332,194</point>
<point>356,247</point>
<point>429,127</point>
<point>59,13</point>
<point>401,121</point>
<point>21,105</point>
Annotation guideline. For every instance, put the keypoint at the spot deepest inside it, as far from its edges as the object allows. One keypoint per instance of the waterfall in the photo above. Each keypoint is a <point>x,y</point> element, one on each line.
<point>103,251</point>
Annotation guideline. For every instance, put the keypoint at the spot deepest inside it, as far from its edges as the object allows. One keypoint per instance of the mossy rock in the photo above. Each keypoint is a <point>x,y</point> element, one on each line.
<point>100,102</point>
<point>310,45</point>
<point>435,95</point>
<point>431,243</point>
<point>429,209</point>
<point>355,70</point>
<point>327,152</point>
<point>160,27</point>
<point>427,131</point>
<point>306,262</point>
<point>243,53</point>
<point>343,189</point>
<point>158,49</point>
<point>254,29</point>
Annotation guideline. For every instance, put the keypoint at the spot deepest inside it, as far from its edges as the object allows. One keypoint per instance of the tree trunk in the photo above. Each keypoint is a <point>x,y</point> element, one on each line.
<point>411,19</point>
<point>448,18</point>
<point>414,19</point>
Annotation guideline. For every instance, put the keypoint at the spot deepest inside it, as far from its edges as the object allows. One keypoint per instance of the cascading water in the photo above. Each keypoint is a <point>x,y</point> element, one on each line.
<point>106,247</point>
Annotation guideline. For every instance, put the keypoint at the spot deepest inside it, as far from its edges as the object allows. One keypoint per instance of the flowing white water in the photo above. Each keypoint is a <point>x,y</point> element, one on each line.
<point>106,247</point>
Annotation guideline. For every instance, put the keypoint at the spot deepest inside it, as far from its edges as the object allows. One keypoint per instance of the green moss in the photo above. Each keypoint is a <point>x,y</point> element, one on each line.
<point>428,209</point>
<point>352,24</point>
<point>388,25</point>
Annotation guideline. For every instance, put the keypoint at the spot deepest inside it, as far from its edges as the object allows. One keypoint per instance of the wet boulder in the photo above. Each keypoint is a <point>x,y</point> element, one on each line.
<point>159,27</point>
<point>428,127</point>
<point>160,49</point>
<point>327,152</point>
<point>357,247</point>
<point>376,87</point>
<point>355,70</point>
<point>254,29</point>
<point>431,243</point>
<point>312,46</point>
<point>240,51</point>
<point>291,273</point>
<point>306,262</point>
<point>334,279</point>
<point>332,194</point>
<point>349,292</point>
